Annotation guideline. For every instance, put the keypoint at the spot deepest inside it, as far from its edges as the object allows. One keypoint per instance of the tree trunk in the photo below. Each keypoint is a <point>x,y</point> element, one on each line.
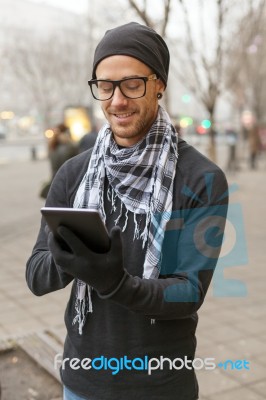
<point>212,142</point>
<point>212,146</point>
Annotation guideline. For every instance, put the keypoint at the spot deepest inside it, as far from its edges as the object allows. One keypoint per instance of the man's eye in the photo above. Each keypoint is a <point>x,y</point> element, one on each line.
<point>133,85</point>
<point>105,87</point>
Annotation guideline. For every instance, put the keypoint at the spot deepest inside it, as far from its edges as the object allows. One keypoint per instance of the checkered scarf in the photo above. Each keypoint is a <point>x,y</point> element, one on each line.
<point>141,177</point>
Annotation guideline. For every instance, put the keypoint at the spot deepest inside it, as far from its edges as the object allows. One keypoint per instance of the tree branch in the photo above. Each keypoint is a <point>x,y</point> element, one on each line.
<point>142,13</point>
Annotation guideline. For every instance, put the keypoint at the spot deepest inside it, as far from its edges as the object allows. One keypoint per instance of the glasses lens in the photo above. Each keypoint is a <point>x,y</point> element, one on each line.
<point>102,90</point>
<point>133,88</point>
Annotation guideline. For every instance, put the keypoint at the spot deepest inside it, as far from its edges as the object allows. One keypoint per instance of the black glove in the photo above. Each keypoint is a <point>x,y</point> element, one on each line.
<point>102,271</point>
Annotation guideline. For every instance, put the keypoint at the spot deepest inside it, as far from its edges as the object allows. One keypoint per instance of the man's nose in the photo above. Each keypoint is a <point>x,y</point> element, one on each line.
<point>118,97</point>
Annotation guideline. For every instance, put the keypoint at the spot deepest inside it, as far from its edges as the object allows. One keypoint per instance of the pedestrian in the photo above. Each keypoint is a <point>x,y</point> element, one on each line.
<point>231,136</point>
<point>132,314</point>
<point>60,148</point>
<point>88,140</point>
<point>254,143</point>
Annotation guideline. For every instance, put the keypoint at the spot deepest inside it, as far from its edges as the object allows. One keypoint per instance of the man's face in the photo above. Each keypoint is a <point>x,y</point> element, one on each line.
<point>130,119</point>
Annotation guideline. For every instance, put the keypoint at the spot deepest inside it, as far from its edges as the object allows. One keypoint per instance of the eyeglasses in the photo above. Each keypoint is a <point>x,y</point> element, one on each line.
<point>132,88</point>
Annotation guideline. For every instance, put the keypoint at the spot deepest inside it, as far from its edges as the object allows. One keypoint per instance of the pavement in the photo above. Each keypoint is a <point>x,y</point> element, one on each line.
<point>231,327</point>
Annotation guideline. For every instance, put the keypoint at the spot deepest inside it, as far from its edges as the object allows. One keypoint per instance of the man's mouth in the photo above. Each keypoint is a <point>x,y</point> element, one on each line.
<point>124,115</point>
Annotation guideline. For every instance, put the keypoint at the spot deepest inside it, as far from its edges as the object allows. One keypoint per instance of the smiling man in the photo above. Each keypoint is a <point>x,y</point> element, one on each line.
<point>129,120</point>
<point>132,314</point>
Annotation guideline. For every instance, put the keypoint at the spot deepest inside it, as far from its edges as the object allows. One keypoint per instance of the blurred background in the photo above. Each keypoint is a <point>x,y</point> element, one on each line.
<point>216,91</point>
<point>216,97</point>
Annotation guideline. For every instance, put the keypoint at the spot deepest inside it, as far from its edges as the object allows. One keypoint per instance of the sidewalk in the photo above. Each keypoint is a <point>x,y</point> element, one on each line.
<point>229,328</point>
<point>22,312</point>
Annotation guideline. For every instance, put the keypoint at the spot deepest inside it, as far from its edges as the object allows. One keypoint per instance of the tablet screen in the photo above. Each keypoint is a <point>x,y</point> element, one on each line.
<point>85,223</point>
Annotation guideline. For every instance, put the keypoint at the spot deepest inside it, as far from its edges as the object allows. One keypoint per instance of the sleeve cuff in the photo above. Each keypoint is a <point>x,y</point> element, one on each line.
<point>113,292</point>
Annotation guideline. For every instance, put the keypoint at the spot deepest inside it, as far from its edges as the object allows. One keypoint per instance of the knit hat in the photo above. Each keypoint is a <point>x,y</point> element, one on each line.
<point>138,41</point>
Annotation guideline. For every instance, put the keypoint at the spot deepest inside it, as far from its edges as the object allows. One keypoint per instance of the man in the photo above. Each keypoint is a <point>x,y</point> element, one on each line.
<point>132,313</point>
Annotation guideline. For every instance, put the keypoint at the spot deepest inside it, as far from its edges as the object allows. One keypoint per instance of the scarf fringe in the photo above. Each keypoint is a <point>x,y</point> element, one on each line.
<point>83,305</point>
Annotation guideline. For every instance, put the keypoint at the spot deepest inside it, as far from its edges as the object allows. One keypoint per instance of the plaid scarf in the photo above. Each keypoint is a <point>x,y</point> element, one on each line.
<point>142,178</point>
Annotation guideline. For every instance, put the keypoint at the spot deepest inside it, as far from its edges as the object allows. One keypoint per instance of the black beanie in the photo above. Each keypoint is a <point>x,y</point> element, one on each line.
<point>138,41</point>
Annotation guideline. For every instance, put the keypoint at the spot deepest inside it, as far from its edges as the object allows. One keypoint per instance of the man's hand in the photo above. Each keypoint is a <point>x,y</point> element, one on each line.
<point>102,271</point>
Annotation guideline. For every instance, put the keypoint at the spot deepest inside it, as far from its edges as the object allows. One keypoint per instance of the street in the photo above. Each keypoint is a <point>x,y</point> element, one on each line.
<point>21,150</point>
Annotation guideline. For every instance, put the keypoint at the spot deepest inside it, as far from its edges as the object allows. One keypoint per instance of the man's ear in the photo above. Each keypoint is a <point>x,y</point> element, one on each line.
<point>160,85</point>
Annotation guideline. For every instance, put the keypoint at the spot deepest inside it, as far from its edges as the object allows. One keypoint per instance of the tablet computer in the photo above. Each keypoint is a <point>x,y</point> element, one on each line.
<point>85,223</point>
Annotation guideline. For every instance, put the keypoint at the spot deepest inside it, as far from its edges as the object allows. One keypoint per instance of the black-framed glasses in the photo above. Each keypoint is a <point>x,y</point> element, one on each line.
<point>132,88</point>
